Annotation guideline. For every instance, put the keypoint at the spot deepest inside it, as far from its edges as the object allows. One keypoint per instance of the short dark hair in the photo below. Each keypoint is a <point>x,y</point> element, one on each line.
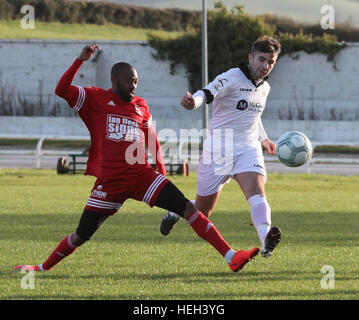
<point>266,44</point>
<point>118,67</point>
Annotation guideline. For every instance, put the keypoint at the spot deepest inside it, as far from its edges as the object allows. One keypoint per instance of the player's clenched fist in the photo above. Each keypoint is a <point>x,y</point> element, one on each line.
<point>88,51</point>
<point>188,101</point>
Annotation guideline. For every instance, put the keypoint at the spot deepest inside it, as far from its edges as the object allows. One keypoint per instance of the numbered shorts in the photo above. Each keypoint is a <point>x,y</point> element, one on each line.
<point>215,170</point>
<point>108,196</point>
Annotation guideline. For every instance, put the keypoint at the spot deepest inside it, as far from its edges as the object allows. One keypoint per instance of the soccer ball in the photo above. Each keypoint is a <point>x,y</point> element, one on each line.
<point>294,149</point>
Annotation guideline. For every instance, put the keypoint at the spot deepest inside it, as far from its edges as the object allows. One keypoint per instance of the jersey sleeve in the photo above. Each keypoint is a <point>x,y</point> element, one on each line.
<point>218,85</point>
<point>74,95</point>
<point>199,97</point>
<point>152,142</point>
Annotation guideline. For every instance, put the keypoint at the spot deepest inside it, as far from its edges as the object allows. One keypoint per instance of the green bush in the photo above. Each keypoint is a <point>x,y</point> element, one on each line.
<point>6,10</point>
<point>326,44</point>
<point>230,35</point>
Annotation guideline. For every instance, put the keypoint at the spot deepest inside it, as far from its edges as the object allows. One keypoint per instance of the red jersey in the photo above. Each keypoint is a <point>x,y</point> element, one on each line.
<point>118,129</point>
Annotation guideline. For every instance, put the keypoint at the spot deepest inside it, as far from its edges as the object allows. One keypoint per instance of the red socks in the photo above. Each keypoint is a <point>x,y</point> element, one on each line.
<point>207,231</point>
<point>198,221</point>
<point>63,249</point>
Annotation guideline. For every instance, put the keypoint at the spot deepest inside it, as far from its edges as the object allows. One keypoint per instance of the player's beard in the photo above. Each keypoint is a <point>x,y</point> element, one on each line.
<point>258,75</point>
<point>126,95</point>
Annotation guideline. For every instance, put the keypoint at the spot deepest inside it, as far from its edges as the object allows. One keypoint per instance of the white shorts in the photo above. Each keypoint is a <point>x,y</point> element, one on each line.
<point>215,170</point>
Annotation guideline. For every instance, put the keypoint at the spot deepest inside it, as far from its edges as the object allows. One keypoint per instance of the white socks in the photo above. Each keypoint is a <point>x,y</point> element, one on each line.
<point>229,255</point>
<point>261,215</point>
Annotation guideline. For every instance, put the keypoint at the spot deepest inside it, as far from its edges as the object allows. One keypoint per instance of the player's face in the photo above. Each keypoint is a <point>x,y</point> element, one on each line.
<point>261,64</point>
<point>126,84</point>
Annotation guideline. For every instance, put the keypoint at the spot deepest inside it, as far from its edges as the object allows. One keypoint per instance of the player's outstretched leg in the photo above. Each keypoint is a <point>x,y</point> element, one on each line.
<point>271,241</point>
<point>63,249</point>
<point>89,223</point>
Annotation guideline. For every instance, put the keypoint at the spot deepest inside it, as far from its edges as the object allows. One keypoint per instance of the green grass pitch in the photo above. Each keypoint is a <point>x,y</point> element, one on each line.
<point>129,259</point>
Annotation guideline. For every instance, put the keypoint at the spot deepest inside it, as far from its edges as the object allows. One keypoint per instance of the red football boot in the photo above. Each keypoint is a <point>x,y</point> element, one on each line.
<point>241,258</point>
<point>28,268</point>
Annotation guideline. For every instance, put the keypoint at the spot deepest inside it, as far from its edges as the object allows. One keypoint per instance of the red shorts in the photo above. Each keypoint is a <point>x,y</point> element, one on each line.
<point>108,196</point>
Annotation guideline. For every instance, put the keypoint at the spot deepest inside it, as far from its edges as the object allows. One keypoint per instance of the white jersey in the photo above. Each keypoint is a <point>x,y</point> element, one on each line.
<point>238,105</point>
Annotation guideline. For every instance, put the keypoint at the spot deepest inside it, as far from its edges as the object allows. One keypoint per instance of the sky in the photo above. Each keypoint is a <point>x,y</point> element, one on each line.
<point>308,11</point>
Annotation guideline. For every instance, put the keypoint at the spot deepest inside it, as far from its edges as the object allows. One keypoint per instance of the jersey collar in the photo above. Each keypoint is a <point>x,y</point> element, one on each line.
<point>244,68</point>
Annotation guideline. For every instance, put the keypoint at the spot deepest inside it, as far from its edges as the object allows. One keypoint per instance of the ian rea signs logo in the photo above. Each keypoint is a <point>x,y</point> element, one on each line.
<point>122,128</point>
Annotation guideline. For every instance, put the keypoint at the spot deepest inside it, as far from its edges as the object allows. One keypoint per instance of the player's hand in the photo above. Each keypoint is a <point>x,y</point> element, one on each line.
<point>269,146</point>
<point>188,101</point>
<point>88,51</point>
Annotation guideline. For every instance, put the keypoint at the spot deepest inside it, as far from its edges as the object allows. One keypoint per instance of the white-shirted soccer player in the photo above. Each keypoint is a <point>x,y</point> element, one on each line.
<point>233,148</point>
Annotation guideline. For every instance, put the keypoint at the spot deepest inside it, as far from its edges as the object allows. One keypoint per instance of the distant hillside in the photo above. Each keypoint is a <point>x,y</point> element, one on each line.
<point>10,29</point>
<point>307,11</point>
<point>100,13</point>
<point>179,20</point>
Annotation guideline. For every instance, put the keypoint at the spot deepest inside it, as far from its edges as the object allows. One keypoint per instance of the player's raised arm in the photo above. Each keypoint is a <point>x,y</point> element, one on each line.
<point>209,92</point>
<point>75,96</point>
<point>190,101</point>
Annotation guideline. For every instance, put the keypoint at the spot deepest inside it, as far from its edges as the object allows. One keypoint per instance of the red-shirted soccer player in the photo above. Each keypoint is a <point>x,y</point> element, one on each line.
<point>120,124</point>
